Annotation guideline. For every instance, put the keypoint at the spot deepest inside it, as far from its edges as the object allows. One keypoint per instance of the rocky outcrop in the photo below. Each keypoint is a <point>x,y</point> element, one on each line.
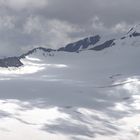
<point>105,45</point>
<point>10,62</point>
<point>81,44</point>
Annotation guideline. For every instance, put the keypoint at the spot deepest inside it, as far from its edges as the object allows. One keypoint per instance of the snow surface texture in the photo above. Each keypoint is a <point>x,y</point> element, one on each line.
<point>91,95</point>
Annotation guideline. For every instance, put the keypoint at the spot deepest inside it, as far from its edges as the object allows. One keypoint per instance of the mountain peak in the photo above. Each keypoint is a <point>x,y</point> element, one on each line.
<point>134,31</point>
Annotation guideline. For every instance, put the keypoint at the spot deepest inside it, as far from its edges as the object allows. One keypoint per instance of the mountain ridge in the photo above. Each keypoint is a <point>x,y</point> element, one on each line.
<point>91,43</point>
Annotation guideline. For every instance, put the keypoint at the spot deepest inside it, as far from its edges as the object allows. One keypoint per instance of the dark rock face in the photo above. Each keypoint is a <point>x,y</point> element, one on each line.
<point>135,34</point>
<point>10,62</point>
<point>123,37</point>
<point>106,44</point>
<point>81,44</point>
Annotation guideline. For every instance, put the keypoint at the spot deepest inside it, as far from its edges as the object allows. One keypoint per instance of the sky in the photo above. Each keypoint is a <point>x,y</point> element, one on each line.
<point>26,24</point>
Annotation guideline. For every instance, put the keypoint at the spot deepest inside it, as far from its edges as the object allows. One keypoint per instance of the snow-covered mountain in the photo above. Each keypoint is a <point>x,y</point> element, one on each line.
<point>94,43</point>
<point>87,90</point>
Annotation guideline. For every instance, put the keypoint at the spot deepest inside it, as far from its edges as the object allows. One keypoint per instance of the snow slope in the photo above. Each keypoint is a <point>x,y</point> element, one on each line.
<point>59,95</point>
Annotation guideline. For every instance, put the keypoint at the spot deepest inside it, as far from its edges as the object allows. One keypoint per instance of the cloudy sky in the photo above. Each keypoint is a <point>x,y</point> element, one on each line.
<point>25,24</point>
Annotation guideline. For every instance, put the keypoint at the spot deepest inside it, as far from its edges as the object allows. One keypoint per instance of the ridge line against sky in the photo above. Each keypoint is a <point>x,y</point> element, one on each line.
<point>25,24</point>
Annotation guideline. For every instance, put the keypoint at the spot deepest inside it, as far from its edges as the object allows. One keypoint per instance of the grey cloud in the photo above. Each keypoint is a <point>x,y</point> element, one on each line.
<point>54,23</point>
<point>82,11</point>
<point>23,4</point>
